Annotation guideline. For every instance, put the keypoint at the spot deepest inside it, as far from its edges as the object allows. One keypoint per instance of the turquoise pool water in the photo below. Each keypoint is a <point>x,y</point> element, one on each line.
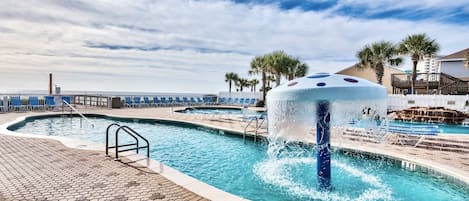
<point>226,162</point>
<point>442,128</point>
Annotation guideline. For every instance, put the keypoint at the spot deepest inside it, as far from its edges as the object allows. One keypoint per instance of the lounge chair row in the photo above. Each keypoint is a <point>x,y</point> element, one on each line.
<point>156,101</point>
<point>137,101</point>
<point>33,103</point>
<point>237,101</point>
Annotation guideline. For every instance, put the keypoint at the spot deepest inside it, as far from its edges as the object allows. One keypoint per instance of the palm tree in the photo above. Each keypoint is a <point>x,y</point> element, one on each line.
<point>418,46</point>
<point>278,63</point>
<point>301,70</point>
<point>241,82</point>
<point>253,83</point>
<point>259,66</point>
<point>378,55</point>
<point>270,81</point>
<point>295,69</point>
<point>231,77</point>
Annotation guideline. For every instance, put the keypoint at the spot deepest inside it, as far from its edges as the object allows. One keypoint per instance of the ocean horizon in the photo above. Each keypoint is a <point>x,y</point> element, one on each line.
<point>102,93</point>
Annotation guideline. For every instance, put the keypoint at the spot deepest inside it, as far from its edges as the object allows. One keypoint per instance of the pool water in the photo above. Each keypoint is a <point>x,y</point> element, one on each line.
<point>217,111</point>
<point>245,169</point>
<point>442,128</point>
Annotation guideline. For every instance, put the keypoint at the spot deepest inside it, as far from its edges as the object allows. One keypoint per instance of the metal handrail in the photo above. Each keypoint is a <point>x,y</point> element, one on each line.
<point>132,133</point>
<point>82,116</point>
<point>246,127</point>
<point>258,126</point>
<point>107,137</point>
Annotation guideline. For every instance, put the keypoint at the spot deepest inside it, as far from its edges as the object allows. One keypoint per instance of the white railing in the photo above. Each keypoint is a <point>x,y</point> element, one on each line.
<point>233,95</point>
<point>455,102</point>
<point>79,113</point>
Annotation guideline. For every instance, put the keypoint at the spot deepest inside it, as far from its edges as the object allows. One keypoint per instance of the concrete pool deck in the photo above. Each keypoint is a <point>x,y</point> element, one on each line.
<point>450,163</point>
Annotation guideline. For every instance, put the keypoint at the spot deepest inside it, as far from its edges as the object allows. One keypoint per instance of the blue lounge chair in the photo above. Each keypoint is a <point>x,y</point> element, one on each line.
<point>178,100</point>
<point>146,102</point>
<point>200,101</point>
<point>163,101</point>
<point>414,129</point>
<point>229,101</point>
<point>185,100</point>
<point>128,102</point>
<point>253,101</point>
<point>210,100</point>
<point>67,99</point>
<point>156,101</point>
<point>221,101</point>
<point>193,102</point>
<point>236,101</point>
<point>241,101</point>
<point>15,104</point>
<point>33,103</point>
<point>171,100</point>
<point>49,102</point>
<point>136,102</point>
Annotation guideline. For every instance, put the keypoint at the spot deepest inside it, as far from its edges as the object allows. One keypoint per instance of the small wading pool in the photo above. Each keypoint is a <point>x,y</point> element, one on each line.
<point>442,128</point>
<point>217,111</point>
<point>244,169</point>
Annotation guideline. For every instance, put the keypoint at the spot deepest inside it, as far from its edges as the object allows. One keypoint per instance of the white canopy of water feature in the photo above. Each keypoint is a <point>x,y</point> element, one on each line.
<point>292,106</point>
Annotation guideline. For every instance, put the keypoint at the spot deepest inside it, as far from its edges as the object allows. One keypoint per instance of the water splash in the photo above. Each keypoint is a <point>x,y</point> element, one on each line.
<point>291,122</point>
<point>278,172</point>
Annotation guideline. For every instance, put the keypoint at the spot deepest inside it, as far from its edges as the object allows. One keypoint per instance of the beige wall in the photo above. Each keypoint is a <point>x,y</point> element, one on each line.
<point>369,74</point>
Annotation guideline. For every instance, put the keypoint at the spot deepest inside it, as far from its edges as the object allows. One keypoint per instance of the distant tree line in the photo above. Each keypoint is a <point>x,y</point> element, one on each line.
<point>271,67</point>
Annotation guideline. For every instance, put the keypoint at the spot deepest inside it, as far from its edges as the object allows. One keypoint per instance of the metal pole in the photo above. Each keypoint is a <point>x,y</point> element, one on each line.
<point>257,127</point>
<point>323,144</point>
<point>117,145</point>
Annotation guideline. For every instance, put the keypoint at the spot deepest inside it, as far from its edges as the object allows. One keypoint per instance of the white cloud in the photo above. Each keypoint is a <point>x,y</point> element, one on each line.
<point>51,36</point>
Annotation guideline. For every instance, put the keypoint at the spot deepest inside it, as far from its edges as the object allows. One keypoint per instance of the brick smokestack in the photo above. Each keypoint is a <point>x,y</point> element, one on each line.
<point>50,83</point>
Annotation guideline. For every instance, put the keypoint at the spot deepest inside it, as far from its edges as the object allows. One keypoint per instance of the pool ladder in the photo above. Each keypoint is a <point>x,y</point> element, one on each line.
<point>258,125</point>
<point>132,133</point>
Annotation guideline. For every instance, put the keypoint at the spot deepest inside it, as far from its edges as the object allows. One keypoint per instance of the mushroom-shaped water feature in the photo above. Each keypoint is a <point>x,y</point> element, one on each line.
<point>321,99</point>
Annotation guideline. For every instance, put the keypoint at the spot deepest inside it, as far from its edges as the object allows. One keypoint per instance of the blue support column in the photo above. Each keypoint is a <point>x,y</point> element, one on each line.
<point>323,144</point>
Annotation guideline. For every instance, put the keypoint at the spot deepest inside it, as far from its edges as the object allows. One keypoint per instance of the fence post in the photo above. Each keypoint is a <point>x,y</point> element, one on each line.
<point>5,103</point>
<point>109,102</point>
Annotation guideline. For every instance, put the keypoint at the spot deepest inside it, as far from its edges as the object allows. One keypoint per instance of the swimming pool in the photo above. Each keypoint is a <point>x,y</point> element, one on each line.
<point>224,161</point>
<point>216,111</point>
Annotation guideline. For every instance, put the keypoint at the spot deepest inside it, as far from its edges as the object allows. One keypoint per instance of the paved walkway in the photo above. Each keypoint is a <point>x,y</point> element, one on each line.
<point>42,169</point>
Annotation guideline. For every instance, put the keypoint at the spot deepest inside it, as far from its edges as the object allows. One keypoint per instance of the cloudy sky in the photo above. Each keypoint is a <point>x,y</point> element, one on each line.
<point>188,46</point>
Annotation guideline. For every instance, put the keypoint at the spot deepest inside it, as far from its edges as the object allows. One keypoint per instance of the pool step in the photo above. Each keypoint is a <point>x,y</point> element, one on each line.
<point>361,135</point>
<point>460,146</point>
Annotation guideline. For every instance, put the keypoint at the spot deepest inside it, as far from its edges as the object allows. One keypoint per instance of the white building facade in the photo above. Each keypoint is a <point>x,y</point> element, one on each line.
<point>429,64</point>
<point>456,64</point>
